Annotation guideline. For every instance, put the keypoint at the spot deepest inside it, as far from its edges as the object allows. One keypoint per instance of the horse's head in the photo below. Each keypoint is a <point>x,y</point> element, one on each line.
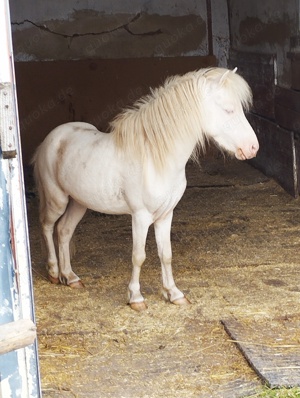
<point>226,96</point>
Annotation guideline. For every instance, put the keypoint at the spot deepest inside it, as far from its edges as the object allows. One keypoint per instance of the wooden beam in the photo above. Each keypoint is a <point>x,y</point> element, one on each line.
<point>209,28</point>
<point>287,108</point>
<point>277,153</point>
<point>15,335</point>
<point>295,69</point>
<point>258,70</point>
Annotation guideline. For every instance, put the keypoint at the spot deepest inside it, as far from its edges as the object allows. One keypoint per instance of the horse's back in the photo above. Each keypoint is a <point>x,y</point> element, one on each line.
<point>63,136</point>
<point>68,131</point>
<point>57,145</point>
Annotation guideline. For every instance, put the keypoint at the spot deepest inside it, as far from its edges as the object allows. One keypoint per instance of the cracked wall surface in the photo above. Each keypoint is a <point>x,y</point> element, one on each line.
<point>73,30</point>
<point>85,60</point>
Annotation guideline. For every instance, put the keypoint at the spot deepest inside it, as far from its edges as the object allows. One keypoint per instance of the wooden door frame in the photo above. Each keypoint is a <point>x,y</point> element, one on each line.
<point>19,368</point>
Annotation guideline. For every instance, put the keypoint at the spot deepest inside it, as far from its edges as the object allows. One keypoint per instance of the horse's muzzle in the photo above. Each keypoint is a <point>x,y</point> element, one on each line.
<point>247,153</point>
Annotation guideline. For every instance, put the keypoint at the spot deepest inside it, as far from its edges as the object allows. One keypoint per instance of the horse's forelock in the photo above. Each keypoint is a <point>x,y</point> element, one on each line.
<point>238,88</point>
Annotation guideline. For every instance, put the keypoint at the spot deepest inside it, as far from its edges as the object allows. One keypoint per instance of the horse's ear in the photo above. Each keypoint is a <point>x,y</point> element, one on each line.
<point>224,76</point>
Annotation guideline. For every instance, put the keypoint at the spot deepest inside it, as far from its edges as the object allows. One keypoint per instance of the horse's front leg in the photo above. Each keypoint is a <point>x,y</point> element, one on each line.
<point>140,225</point>
<point>163,241</point>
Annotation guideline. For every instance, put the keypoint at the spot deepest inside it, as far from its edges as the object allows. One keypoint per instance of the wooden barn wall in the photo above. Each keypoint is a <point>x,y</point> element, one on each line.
<point>264,39</point>
<point>56,92</point>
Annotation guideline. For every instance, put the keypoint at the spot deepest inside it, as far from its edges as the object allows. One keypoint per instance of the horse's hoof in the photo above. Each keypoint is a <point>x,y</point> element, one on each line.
<point>181,301</point>
<point>139,307</point>
<point>53,280</point>
<point>77,285</point>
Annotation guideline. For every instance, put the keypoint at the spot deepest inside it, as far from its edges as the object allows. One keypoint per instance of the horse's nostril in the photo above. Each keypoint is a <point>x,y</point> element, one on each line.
<point>254,148</point>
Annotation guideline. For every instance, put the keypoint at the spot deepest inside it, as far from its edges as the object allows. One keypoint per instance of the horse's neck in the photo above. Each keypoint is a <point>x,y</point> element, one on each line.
<point>182,153</point>
<point>175,166</point>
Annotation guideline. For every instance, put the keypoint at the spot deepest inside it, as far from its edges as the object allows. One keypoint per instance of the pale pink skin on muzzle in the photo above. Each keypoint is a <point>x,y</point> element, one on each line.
<point>248,153</point>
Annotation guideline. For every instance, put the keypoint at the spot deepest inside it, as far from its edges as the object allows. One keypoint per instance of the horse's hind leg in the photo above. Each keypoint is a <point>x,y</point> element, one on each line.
<point>51,208</point>
<point>65,229</point>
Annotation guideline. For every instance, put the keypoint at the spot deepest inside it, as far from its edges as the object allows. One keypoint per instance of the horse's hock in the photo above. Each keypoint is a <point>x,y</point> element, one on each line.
<point>230,259</point>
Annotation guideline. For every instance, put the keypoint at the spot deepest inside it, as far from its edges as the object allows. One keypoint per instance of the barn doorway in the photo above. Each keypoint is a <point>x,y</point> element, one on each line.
<point>85,61</point>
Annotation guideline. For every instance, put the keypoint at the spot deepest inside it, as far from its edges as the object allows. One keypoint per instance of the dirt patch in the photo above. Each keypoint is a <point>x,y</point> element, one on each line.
<point>235,242</point>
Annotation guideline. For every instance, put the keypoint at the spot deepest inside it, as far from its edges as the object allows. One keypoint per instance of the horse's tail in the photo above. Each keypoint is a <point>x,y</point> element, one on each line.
<point>36,174</point>
<point>34,162</point>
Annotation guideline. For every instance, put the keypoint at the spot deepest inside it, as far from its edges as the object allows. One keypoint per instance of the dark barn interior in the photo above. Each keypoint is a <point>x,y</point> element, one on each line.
<point>235,234</point>
<point>119,51</point>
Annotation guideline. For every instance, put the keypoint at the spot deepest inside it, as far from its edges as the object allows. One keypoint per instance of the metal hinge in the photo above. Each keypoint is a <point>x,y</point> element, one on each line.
<point>8,129</point>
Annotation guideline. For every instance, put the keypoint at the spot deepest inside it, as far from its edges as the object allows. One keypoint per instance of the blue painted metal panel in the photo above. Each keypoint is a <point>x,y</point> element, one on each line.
<point>8,362</point>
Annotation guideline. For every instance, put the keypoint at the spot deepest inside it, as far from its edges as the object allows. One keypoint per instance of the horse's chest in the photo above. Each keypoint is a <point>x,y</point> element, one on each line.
<point>161,201</point>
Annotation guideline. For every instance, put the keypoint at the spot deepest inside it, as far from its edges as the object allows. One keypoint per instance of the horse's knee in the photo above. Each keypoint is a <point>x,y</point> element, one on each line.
<point>64,233</point>
<point>138,257</point>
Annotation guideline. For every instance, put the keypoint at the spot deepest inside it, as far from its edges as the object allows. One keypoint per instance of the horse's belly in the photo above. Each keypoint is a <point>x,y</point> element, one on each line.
<point>109,208</point>
<point>100,192</point>
<point>103,200</point>
<point>109,203</point>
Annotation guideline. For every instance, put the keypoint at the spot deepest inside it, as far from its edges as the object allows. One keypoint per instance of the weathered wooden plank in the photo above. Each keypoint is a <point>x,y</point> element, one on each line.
<point>272,350</point>
<point>288,98</point>
<point>258,70</point>
<point>276,157</point>
<point>297,156</point>
<point>287,118</point>
<point>15,335</point>
<point>238,389</point>
<point>275,118</point>
<point>287,108</point>
<point>295,70</point>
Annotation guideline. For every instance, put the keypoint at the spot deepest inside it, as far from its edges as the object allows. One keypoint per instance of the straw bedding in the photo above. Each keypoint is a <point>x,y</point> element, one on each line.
<point>235,243</point>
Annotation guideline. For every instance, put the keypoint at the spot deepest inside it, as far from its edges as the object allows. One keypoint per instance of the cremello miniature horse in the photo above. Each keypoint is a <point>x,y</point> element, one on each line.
<point>139,167</point>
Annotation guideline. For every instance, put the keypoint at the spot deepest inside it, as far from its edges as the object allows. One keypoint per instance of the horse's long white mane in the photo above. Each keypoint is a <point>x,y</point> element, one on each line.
<point>173,114</point>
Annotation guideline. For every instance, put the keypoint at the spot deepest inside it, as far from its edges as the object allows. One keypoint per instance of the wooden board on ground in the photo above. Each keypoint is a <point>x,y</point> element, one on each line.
<point>239,388</point>
<point>271,347</point>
